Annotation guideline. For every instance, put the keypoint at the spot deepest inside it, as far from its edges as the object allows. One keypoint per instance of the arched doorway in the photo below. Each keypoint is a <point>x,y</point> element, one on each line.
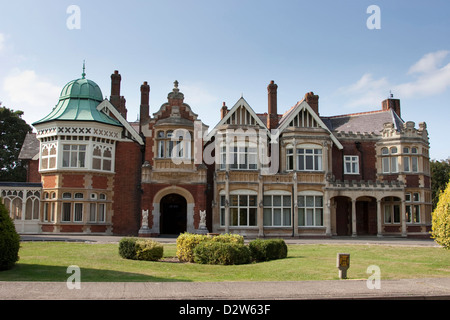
<point>173,209</point>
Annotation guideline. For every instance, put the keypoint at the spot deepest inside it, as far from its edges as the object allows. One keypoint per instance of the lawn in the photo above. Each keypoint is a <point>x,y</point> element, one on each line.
<point>48,261</point>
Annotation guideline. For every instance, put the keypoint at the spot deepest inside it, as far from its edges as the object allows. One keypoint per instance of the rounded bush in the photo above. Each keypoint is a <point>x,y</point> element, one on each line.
<point>149,250</point>
<point>186,243</point>
<point>224,253</point>
<point>127,248</point>
<point>9,240</point>
<point>270,249</point>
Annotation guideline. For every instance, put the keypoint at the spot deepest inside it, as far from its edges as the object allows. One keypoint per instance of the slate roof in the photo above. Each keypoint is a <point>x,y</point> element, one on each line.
<point>365,122</point>
<point>30,147</point>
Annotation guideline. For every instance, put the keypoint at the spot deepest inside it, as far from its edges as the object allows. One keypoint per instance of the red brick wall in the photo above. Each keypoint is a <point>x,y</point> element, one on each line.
<point>127,193</point>
<point>49,182</point>
<point>367,160</point>
<point>99,182</point>
<point>33,174</point>
<point>73,180</point>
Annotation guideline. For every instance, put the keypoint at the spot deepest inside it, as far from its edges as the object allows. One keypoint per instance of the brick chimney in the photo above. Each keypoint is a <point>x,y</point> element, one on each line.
<point>116,99</point>
<point>391,103</point>
<point>223,111</point>
<point>272,117</point>
<point>144,116</point>
<point>313,101</point>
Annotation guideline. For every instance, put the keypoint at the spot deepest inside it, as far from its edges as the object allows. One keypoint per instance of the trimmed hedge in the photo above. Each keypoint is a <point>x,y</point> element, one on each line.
<point>9,240</point>
<point>186,243</point>
<point>140,249</point>
<point>270,249</point>
<point>149,250</point>
<point>224,253</point>
<point>228,249</point>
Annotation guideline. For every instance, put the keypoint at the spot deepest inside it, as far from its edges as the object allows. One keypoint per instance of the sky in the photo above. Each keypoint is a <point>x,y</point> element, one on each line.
<point>352,57</point>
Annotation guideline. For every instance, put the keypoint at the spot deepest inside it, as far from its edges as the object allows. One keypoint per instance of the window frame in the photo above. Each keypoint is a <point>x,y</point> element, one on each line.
<point>350,159</point>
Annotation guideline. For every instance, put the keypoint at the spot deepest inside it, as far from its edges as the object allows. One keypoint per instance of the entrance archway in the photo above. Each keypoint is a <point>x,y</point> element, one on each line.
<point>173,209</point>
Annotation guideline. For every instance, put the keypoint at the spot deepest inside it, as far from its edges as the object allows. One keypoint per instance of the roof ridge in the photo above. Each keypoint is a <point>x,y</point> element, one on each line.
<point>353,114</point>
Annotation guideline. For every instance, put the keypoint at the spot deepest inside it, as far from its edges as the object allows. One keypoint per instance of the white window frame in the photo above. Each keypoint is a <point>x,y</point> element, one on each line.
<point>314,152</point>
<point>77,150</point>
<point>272,210</point>
<point>353,162</point>
<point>304,209</point>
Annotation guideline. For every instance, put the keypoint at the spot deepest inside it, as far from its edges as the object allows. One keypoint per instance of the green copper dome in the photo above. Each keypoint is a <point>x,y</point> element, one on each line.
<point>78,101</point>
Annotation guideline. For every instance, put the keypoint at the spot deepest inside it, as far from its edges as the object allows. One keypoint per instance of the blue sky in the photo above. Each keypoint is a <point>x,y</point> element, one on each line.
<point>219,50</point>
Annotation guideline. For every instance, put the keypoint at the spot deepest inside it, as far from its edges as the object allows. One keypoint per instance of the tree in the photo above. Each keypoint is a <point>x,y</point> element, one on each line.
<point>441,219</point>
<point>440,175</point>
<point>9,240</point>
<point>13,130</point>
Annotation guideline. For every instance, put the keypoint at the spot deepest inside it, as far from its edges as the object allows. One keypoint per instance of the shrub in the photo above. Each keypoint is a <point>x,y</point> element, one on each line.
<point>186,243</point>
<point>149,250</point>
<point>270,249</point>
<point>224,253</point>
<point>127,248</point>
<point>441,219</point>
<point>9,240</point>
<point>228,238</point>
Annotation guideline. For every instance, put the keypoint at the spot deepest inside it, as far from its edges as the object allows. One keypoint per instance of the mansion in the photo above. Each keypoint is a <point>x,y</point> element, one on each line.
<point>291,174</point>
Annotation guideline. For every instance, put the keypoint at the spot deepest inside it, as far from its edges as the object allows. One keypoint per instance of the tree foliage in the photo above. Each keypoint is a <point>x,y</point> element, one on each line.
<point>441,219</point>
<point>440,174</point>
<point>13,130</point>
<point>9,240</point>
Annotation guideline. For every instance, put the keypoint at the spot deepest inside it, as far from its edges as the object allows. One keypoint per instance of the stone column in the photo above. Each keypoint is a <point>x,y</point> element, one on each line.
<point>227,202</point>
<point>260,210</point>
<point>295,222</point>
<point>403,215</point>
<point>353,217</point>
<point>379,219</point>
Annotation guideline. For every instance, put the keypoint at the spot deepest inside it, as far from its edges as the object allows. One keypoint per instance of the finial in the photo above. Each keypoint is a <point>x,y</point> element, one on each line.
<point>390,94</point>
<point>175,86</point>
<point>83,75</point>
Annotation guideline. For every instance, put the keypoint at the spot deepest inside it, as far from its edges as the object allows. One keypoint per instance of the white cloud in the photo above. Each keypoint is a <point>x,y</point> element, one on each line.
<point>27,91</point>
<point>366,91</point>
<point>425,78</point>
<point>429,62</point>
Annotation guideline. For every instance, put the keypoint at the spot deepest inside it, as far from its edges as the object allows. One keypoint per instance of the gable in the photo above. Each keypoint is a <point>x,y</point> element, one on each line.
<point>106,107</point>
<point>303,116</point>
<point>241,115</point>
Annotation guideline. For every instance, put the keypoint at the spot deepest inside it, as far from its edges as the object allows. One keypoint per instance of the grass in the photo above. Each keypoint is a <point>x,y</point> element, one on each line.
<point>48,261</point>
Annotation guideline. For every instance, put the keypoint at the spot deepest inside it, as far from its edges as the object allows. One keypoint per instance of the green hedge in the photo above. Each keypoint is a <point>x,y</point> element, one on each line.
<point>227,249</point>
<point>186,243</point>
<point>140,249</point>
<point>9,240</point>
<point>270,249</point>
<point>225,253</point>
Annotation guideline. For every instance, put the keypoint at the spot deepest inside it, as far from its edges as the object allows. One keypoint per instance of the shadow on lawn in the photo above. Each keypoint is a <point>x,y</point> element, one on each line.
<point>37,272</point>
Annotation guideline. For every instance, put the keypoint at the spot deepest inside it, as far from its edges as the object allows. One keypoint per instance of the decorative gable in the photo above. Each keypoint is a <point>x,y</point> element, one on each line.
<point>303,116</point>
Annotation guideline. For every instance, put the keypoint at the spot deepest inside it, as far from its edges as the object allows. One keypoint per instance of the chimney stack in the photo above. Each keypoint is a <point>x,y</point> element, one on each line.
<point>393,104</point>
<point>116,99</point>
<point>313,101</point>
<point>272,117</point>
<point>145,107</point>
